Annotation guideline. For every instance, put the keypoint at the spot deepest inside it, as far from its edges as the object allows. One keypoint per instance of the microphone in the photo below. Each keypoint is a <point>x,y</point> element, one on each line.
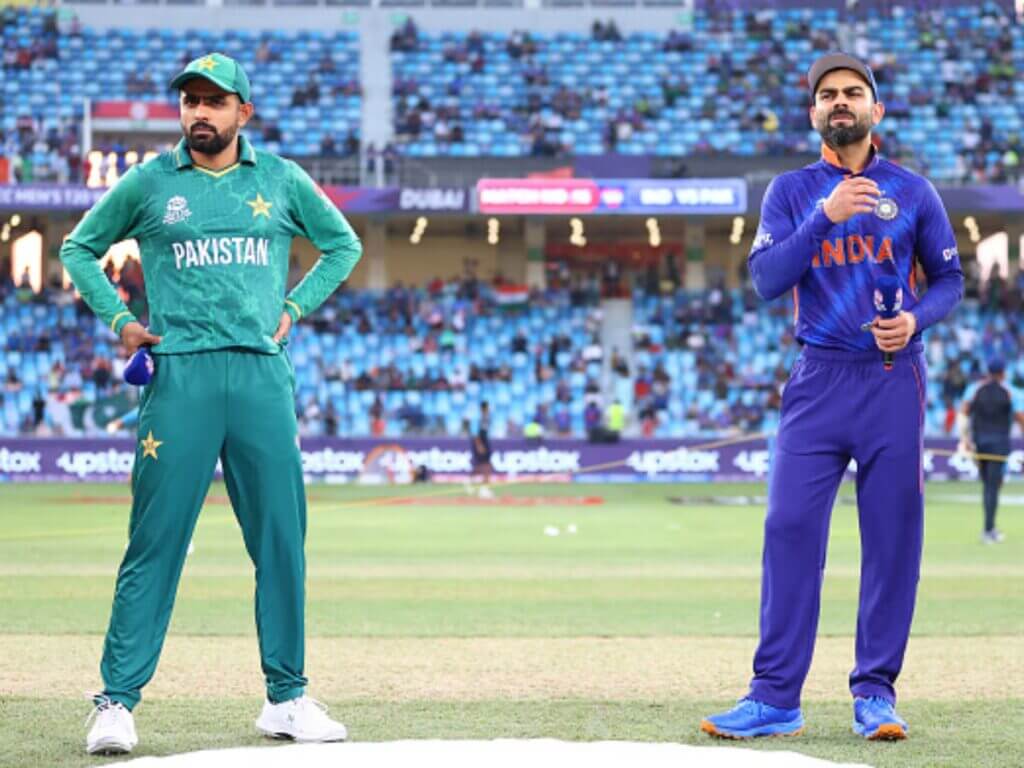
<point>888,303</point>
<point>140,368</point>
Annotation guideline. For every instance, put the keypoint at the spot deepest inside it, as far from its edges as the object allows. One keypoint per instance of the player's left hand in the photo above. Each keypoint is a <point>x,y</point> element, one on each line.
<point>283,326</point>
<point>894,334</point>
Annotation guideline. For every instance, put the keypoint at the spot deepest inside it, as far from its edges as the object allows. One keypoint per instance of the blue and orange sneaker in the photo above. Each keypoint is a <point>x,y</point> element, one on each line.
<point>751,718</point>
<point>875,719</point>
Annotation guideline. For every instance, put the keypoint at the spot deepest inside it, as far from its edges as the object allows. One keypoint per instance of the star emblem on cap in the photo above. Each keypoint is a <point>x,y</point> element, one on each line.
<point>207,63</point>
<point>149,445</point>
<point>260,207</point>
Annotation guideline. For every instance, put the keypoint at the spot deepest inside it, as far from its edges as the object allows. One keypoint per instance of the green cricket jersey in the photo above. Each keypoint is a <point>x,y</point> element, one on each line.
<point>214,247</point>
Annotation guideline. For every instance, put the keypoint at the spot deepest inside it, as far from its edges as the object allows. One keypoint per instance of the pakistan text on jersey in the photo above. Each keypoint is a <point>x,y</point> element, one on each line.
<point>214,251</point>
<point>852,249</point>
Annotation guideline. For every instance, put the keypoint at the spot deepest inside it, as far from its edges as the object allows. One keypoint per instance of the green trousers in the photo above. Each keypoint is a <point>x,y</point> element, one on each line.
<point>237,406</point>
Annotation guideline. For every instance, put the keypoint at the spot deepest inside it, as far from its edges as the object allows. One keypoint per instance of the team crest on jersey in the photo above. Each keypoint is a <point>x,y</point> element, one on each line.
<point>886,209</point>
<point>880,301</point>
<point>177,210</point>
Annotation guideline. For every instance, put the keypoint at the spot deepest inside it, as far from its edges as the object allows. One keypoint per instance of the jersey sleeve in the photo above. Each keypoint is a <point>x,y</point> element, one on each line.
<point>782,253</point>
<point>117,216</point>
<point>318,219</point>
<point>935,248</point>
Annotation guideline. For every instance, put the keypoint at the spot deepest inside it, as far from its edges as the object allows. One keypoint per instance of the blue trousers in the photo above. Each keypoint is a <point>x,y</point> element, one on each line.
<point>836,406</point>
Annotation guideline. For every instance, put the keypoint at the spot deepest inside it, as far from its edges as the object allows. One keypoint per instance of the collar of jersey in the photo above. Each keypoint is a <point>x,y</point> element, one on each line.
<point>831,160</point>
<point>246,156</point>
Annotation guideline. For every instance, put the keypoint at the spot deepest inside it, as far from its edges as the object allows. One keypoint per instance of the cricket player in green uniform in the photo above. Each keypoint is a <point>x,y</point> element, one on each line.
<point>214,220</point>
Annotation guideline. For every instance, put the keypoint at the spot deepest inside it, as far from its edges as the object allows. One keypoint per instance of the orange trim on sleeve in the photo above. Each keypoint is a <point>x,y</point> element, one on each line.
<point>796,304</point>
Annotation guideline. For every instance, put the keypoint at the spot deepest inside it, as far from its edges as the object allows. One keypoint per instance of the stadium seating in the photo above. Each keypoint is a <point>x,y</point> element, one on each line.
<point>939,89</point>
<point>97,64</point>
<point>724,362</point>
<point>955,112</point>
<point>724,356</point>
<point>745,90</point>
<point>485,342</point>
<point>726,88</point>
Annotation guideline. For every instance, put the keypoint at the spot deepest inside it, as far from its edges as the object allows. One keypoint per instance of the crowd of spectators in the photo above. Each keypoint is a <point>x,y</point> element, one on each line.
<point>710,325</point>
<point>38,147</point>
<point>762,101</point>
<point>713,325</point>
<point>975,66</point>
<point>433,321</point>
<point>88,369</point>
<point>41,141</point>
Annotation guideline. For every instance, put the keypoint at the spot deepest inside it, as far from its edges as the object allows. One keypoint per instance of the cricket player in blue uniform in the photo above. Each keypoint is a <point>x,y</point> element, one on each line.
<point>828,232</point>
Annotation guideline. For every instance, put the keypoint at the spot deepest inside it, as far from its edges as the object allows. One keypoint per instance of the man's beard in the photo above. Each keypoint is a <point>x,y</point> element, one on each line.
<point>843,135</point>
<point>212,143</point>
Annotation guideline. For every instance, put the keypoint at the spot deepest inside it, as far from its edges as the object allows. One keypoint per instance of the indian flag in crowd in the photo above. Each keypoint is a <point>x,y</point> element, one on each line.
<point>511,296</point>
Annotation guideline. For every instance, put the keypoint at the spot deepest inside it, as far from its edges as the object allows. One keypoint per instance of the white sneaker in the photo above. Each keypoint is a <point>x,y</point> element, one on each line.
<point>301,719</point>
<point>113,729</point>
<point>485,492</point>
<point>992,537</point>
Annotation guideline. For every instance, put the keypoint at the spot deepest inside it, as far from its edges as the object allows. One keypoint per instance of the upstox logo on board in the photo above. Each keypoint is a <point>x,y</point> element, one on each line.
<point>85,464</point>
<point>20,462</point>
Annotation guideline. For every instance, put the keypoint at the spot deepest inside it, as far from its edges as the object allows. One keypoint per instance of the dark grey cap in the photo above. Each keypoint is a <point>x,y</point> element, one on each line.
<point>833,61</point>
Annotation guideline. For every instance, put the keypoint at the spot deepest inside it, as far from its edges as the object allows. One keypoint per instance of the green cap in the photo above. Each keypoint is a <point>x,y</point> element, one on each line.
<point>221,70</point>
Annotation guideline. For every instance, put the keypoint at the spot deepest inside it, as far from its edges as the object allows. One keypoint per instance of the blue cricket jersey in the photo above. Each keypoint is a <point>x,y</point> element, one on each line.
<point>832,268</point>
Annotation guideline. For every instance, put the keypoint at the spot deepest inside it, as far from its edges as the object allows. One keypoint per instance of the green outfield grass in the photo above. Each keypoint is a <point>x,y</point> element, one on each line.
<point>637,566</point>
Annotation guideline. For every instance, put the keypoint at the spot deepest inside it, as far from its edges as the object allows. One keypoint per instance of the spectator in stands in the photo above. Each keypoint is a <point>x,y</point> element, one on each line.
<point>271,132</point>
<point>38,409</point>
<point>616,420</point>
<point>331,420</point>
<point>593,352</point>
<point>101,373</point>
<point>24,292</point>
<point>312,89</point>
<point>55,377</point>
<point>412,417</point>
<point>618,363</point>
<point>406,37</point>
<point>351,147</point>
<point>377,423</point>
<point>608,32</point>
<point>309,417</point>
<point>327,146</point>
<point>562,421</point>
<point>326,65</point>
<point>263,52</point>
<point>660,388</point>
<point>592,419</point>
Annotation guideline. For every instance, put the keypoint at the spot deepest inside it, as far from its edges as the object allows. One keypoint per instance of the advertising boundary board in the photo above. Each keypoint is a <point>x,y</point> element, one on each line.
<point>335,460</point>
